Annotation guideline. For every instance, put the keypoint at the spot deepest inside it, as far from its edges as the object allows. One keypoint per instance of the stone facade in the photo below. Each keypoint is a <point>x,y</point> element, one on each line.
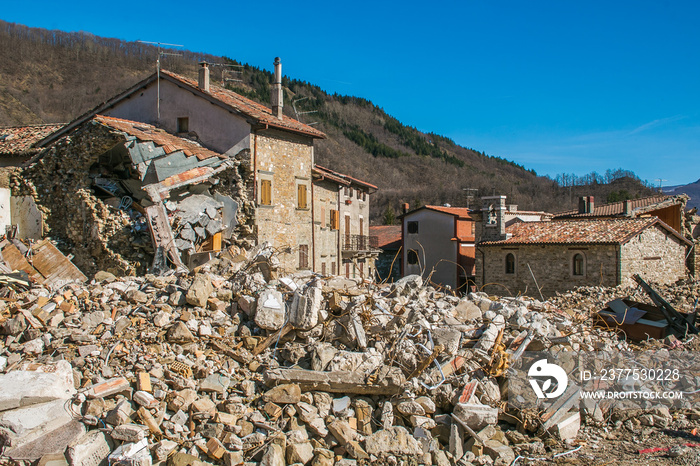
<point>655,254</point>
<point>325,198</point>
<point>285,160</point>
<point>358,259</point>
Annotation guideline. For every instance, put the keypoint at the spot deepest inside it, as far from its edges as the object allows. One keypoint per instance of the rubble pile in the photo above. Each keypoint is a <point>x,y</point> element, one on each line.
<point>232,364</point>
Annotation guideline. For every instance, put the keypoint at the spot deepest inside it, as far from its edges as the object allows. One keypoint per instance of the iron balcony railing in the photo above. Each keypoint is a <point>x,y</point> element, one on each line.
<point>360,242</point>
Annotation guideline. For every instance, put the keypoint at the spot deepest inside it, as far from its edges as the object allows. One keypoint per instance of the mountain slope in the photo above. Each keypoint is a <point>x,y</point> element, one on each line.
<point>54,76</point>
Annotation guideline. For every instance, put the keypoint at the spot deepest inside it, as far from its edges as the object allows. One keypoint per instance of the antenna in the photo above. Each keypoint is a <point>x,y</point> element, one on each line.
<point>297,113</point>
<point>469,195</point>
<point>660,181</point>
<point>235,70</point>
<point>161,54</point>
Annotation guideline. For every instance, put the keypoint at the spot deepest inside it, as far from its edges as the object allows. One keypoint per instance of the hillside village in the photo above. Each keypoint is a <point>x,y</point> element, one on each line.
<point>180,272</point>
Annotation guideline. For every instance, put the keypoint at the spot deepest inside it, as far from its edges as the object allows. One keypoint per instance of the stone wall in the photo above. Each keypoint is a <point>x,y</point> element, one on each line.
<point>325,199</point>
<point>656,255</point>
<point>286,160</point>
<point>98,235</point>
<point>552,266</point>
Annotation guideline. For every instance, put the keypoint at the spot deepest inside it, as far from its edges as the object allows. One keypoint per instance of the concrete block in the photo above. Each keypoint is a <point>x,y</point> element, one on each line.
<point>200,290</point>
<point>47,383</point>
<point>92,449</point>
<point>270,313</point>
<point>476,416</point>
<point>129,433</point>
<point>395,440</point>
<point>305,307</point>
<point>132,454</point>
<point>568,428</point>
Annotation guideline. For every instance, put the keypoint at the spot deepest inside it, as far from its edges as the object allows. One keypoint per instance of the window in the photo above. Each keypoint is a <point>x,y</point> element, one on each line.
<point>303,256</point>
<point>578,264</point>
<point>333,268</point>
<point>323,269</point>
<point>345,191</point>
<point>412,256</point>
<point>510,263</point>
<point>183,125</point>
<point>301,196</point>
<point>412,227</point>
<point>265,192</point>
<point>335,220</point>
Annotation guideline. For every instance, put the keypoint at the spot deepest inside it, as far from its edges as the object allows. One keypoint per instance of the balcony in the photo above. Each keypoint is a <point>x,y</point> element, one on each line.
<point>352,243</point>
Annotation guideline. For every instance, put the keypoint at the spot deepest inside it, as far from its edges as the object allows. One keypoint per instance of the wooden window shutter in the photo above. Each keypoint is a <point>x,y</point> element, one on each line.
<point>301,196</point>
<point>335,220</point>
<point>266,192</point>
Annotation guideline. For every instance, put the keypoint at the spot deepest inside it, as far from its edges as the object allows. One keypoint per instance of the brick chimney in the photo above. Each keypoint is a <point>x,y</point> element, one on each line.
<point>591,205</point>
<point>404,207</point>
<point>493,218</point>
<point>627,208</point>
<point>582,205</point>
<point>277,93</point>
<point>203,81</point>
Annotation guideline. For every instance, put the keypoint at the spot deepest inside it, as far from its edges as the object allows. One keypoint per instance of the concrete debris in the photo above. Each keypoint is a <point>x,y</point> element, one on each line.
<point>244,367</point>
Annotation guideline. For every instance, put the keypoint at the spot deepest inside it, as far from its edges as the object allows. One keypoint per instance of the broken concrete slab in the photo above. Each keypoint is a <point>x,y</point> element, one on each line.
<point>393,441</point>
<point>27,387</point>
<point>388,382</point>
<point>92,449</point>
<point>52,442</point>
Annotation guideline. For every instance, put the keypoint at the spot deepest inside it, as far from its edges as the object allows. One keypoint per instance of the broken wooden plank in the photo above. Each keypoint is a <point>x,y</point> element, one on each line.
<point>427,361</point>
<point>162,234</point>
<point>54,266</point>
<point>263,345</point>
<point>17,261</point>
<point>337,381</point>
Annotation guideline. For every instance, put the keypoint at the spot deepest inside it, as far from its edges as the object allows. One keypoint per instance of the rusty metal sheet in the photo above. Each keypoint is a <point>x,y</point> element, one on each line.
<point>54,266</point>
<point>17,261</point>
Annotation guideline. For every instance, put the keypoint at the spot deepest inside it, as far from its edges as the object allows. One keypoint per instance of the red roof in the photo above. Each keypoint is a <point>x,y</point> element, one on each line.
<point>461,212</point>
<point>583,231</point>
<point>19,140</point>
<point>615,209</point>
<point>258,112</point>
<point>169,142</point>
<point>388,236</point>
<point>341,178</point>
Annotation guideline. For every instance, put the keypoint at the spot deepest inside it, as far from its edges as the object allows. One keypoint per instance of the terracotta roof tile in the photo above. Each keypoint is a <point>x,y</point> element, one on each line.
<point>579,231</point>
<point>388,236</point>
<point>461,212</point>
<point>258,112</point>
<point>615,208</point>
<point>19,140</point>
<point>169,142</point>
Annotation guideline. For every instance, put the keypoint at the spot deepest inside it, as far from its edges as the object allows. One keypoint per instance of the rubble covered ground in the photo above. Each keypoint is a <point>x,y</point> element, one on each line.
<point>234,364</point>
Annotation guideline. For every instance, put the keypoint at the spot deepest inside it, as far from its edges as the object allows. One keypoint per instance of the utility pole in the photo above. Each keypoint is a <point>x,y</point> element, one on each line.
<point>161,54</point>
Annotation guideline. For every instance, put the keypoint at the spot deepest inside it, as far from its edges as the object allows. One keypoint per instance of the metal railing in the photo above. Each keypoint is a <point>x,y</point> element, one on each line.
<point>359,242</point>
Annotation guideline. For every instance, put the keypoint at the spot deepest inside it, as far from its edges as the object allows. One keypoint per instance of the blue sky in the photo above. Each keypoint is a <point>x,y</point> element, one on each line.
<point>556,86</point>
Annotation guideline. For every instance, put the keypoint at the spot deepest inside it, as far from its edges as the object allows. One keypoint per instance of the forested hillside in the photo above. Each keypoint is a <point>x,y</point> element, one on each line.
<point>54,76</point>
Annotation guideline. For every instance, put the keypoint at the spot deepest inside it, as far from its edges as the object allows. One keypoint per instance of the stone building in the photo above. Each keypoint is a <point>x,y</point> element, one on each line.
<point>341,218</point>
<point>438,243</point>
<point>274,153</point>
<point>553,256</point>
<point>669,209</point>
<point>111,189</point>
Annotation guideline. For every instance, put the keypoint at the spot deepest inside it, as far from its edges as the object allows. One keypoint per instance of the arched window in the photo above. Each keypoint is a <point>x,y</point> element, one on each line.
<point>578,264</point>
<point>510,263</point>
<point>412,257</point>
